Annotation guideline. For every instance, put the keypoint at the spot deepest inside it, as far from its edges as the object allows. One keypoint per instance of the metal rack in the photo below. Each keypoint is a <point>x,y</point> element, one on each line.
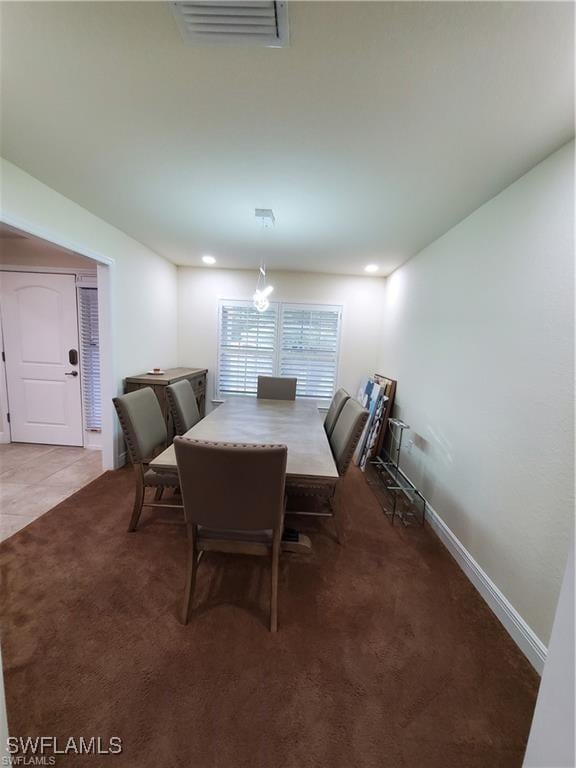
<point>387,473</point>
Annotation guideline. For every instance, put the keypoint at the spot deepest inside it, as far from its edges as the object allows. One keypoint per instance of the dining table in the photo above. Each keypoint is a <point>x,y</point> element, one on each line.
<point>297,424</point>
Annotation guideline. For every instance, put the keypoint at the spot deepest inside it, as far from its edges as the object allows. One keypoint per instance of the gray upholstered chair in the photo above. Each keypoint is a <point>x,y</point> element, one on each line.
<point>145,435</point>
<point>343,441</point>
<point>338,402</point>
<point>346,433</point>
<point>233,502</point>
<point>276,388</point>
<point>183,406</point>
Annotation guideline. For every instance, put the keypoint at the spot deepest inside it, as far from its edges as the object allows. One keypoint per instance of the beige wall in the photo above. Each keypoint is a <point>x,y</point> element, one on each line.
<point>199,291</point>
<point>32,252</point>
<point>479,334</point>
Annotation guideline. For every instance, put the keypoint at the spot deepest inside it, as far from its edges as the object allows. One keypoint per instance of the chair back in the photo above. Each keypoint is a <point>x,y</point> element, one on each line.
<point>347,432</point>
<point>338,402</point>
<point>183,406</point>
<point>142,423</point>
<point>277,388</point>
<point>232,486</point>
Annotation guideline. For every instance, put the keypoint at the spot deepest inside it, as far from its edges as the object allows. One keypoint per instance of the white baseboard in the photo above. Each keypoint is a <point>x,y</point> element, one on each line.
<point>4,437</point>
<point>524,637</point>
<point>92,440</point>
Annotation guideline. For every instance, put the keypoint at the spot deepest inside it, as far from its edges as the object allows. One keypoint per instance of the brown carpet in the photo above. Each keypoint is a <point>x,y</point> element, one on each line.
<point>386,655</point>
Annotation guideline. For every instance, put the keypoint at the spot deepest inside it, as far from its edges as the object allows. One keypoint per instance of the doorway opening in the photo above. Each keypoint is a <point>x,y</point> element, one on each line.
<point>54,373</point>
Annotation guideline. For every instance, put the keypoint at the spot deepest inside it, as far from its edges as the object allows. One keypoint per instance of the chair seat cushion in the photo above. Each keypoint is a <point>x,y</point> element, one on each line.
<point>264,537</point>
<point>168,479</point>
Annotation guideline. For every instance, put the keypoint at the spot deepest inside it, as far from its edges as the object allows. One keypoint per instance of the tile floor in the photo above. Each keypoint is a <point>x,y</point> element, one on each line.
<point>34,478</point>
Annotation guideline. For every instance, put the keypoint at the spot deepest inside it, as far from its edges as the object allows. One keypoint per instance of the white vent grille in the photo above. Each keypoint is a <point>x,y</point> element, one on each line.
<point>225,22</point>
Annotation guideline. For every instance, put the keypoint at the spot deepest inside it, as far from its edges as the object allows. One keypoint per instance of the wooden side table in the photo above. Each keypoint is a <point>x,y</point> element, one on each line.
<point>196,377</point>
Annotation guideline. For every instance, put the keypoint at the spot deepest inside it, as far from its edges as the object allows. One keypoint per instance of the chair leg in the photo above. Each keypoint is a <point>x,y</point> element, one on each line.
<point>274,589</point>
<point>336,519</point>
<point>191,569</point>
<point>159,492</point>
<point>138,498</point>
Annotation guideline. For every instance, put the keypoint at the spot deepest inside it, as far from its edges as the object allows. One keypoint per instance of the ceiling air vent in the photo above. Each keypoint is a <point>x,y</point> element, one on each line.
<point>225,22</point>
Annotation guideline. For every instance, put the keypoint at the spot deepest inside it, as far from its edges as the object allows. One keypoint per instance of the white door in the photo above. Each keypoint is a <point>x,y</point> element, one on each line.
<point>40,326</point>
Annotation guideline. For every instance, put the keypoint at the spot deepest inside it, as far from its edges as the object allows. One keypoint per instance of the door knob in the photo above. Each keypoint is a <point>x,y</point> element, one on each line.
<point>71,373</point>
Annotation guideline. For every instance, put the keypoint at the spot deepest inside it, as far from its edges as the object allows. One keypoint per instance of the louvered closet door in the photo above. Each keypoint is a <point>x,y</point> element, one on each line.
<point>90,358</point>
<point>40,325</point>
<point>247,347</point>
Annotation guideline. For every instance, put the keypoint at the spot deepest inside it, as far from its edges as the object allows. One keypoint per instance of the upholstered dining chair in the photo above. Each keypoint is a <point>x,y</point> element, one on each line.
<point>234,501</point>
<point>338,402</point>
<point>183,406</point>
<point>145,435</point>
<point>276,388</point>
<point>343,441</point>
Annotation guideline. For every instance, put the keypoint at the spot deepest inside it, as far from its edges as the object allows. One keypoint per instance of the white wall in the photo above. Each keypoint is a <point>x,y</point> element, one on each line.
<point>143,284</point>
<point>551,741</point>
<point>199,291</point>
<point>479,334</point>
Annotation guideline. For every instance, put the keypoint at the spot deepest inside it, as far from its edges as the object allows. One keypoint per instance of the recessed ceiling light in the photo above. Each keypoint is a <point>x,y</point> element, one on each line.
<point>208,259</point>
<point>371,268</point>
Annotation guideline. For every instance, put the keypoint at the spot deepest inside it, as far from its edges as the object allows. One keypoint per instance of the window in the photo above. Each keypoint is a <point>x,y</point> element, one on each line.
<point>90,358</point>
<point>299,340</point>
<point>309,348</point>
<point>247,347</point>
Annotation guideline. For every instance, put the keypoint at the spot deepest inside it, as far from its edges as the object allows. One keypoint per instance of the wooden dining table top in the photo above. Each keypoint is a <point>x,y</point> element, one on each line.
<point>296,424</point>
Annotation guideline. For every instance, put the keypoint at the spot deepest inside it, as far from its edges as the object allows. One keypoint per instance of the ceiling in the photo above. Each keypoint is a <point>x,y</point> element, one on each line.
<point>380,126</point>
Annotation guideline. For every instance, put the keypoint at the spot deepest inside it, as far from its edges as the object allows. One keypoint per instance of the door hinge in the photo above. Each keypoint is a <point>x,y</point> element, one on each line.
<point>8,418</point>
<point>3,357</point>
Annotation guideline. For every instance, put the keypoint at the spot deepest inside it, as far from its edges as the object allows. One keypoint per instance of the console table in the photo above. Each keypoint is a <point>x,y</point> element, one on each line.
<point>159,382</point>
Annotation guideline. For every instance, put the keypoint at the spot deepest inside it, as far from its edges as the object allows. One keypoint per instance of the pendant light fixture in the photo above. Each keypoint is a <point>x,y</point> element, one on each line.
<point>263,291</point>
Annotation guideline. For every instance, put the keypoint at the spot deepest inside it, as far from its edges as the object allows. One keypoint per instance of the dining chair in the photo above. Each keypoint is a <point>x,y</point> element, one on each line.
<point>145,435</point>
<point>234,502</point>
<point>276,388</point>
<point>343,441</point>
<point>338,402</point>
<point>183,406</point>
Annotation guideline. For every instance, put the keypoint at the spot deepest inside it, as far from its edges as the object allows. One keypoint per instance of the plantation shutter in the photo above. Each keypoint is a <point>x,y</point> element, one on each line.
<point>310,339</point>
<point>247,347</point>
<point>90,358</point>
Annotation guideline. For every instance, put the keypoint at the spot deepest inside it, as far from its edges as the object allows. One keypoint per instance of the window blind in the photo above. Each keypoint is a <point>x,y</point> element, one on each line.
<point>90,358</point>
<point>300,340</point>
<point>247,347</point>
<point>309,348</point>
